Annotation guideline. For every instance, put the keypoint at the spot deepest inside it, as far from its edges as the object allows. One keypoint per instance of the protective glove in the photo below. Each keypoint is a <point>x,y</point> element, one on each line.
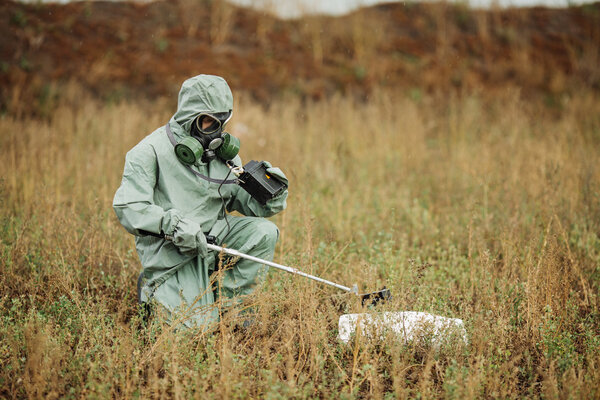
<point>189,238</point>
<point>277,203</point>
<point>276,172</point>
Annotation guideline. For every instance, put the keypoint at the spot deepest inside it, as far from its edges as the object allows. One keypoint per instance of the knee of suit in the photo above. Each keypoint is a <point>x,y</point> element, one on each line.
<point>268,230</point>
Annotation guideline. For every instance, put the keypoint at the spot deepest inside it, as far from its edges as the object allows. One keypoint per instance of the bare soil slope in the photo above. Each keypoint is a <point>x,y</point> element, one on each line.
<point>117,49</point>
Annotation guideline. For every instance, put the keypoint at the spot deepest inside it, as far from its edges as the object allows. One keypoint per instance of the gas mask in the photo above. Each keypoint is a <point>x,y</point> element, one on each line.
<point>207,140</point>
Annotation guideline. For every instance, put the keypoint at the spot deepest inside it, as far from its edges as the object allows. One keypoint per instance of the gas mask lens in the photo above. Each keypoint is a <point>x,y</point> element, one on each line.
<point>207,124</point>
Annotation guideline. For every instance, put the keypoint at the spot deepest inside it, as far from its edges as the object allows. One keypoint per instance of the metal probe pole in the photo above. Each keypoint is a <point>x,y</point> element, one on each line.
<point>291,270</point>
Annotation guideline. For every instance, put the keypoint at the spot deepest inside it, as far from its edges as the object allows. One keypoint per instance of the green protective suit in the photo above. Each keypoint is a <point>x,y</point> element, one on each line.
<point>170,209</point>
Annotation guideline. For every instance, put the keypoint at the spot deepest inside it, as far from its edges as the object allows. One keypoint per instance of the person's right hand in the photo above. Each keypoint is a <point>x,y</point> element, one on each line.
<point>189,238</point>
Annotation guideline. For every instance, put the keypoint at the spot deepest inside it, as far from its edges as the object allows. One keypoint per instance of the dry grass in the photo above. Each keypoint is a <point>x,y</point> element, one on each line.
<point>486,210</point>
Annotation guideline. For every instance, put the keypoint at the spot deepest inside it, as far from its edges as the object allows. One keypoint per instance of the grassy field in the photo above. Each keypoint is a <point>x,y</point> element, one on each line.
<point>482,209</point>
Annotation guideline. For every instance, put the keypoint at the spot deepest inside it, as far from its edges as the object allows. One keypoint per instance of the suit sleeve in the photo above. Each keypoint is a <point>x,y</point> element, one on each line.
<point>134,204</point>
<point>246,205</point>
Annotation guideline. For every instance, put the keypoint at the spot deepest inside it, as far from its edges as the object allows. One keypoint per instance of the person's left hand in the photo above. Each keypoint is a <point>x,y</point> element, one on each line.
<point>277,203</point>
<point>276,172</point>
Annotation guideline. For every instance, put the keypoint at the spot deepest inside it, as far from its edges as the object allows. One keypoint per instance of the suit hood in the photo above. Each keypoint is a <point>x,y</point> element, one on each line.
<point>201,94</point>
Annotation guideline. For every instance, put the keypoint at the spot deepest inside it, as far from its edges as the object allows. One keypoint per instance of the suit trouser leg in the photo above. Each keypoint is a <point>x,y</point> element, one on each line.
<point>250,235</point>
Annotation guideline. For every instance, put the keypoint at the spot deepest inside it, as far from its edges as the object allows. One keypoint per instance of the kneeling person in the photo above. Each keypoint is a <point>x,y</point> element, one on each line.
<point>172,200</point>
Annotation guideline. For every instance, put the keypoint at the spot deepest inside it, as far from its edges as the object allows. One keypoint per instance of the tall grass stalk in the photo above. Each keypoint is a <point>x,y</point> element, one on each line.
<point>486,210</point>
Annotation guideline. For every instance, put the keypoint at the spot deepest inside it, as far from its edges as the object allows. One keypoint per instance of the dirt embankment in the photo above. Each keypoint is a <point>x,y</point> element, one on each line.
<point>121,49</point>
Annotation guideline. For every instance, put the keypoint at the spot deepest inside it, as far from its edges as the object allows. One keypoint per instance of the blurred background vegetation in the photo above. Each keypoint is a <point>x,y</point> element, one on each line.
<point>126,50</point>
